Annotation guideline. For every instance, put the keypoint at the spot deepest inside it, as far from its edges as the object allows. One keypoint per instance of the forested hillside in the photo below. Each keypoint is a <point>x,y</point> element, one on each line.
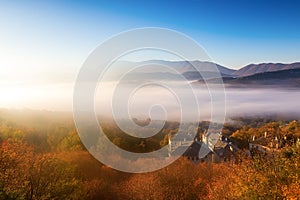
<point>41,157</point>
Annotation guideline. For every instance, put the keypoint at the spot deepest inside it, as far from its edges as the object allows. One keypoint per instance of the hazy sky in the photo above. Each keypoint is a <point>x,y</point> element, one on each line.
<point>47,41</point>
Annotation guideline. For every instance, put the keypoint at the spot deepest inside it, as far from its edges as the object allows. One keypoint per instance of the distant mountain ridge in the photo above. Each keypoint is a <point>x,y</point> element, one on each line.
<point>283,78</point>
<point>251,75</point>
<point>264,67</point>
<point>171,70</point>
<point>289,77</point>
<point>187,66</point>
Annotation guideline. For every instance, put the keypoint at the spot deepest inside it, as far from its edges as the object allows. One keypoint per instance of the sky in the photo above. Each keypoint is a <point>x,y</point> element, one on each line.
<point>63,33</point>
<point>48,41</point>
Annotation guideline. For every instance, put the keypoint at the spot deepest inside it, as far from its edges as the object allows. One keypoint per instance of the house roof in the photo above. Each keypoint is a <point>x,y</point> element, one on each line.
<point>193,150</point>
<point>220,144</point>
<point>201,149</point>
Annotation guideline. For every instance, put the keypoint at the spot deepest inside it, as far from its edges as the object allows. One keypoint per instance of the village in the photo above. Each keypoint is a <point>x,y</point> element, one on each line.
<point>216,147</point>
<point>207,147</point>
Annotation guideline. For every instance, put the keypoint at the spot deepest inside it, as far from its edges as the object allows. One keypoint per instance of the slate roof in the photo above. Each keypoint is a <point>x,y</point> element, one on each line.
<point>193,150</point>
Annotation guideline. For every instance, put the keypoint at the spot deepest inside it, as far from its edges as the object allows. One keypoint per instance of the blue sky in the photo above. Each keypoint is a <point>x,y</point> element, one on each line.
<point>234,33</point>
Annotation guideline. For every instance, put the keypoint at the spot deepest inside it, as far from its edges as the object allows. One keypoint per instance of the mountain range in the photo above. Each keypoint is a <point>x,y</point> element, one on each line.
<point>264,67</point>
<point>263,74</point>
